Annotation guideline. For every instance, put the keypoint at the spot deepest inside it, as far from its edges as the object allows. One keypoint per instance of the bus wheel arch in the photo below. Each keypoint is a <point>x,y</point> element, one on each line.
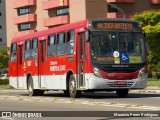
<point>30,87</point>
<point>73,92</point>
<point>66,92</point>
<point>28,75</point>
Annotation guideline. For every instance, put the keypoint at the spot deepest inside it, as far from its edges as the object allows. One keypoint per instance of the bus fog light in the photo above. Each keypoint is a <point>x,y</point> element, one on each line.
<point>142,72</point>
<point>96,72</point>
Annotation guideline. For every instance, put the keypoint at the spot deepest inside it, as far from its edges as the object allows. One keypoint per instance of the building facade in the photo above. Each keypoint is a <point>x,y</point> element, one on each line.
<point>29,16</point>
<point>3,38</point>
<point>130,7</point>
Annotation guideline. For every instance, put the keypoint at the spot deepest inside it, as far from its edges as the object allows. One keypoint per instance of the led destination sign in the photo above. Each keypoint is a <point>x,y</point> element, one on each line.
<point>115,25</point>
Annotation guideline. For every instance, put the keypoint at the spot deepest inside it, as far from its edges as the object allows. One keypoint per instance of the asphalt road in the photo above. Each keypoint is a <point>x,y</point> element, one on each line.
<point>101,101</point>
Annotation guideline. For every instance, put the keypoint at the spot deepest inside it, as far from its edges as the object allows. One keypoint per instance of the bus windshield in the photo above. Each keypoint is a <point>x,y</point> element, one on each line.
<point>117,47</point>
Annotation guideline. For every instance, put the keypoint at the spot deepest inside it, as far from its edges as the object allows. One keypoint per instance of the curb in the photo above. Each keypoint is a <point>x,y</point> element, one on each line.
<point>133,91</point>
<point>149,89</point>
<point>12,90</point>
<point>145,91</point>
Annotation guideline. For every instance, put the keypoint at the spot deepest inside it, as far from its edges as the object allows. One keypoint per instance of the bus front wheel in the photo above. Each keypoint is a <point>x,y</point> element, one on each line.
<point>31,90</point>
<point>122,93</point>
<point>73,92</point>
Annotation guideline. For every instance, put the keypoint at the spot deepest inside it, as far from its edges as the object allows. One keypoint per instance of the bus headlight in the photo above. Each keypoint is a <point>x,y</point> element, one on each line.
<point>142,72</point>
<point>97,72</point>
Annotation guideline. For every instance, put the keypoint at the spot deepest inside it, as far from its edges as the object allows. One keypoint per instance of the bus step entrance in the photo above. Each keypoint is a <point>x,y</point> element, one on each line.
<point>81,82</point>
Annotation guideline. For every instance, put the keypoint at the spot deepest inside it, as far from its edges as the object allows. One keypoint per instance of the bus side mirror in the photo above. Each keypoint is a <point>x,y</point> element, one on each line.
<point>86,36</point>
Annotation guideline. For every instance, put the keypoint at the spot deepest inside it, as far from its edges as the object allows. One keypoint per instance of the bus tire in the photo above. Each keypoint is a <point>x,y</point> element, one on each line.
<point>31,90</point>
<point>66,93</point>
<point>122,93</point>
<point>73,92</point>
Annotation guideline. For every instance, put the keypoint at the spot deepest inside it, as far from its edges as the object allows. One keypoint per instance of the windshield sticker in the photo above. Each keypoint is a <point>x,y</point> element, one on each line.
<point>109,59</point>
<point>124,57</point>
<point>116,54</point>
<point>117,60</point>
<point>135,59</point>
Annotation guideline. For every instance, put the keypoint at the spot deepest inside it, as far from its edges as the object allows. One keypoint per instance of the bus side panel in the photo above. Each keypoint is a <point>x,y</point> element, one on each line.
<point>88,64</point>
<point>60,71</point>
<point>50,75</point>
<point>13,74</point>
<point>46,77</point>
<point>32,69</point>
<point>70,61</point>
<point>13,79</point>
<point>57,68</point>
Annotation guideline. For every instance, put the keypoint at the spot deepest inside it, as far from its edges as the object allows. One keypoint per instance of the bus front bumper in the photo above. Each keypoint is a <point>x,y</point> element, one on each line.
<point>106,84</point>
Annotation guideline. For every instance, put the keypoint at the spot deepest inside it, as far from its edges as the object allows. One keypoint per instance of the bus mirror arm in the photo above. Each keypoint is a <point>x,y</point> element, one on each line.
<point>86,28</point>
<point>86,36</point>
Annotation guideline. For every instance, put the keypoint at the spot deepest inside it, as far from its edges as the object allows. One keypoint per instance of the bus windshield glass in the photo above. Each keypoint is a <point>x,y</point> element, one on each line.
<point>117,47</point>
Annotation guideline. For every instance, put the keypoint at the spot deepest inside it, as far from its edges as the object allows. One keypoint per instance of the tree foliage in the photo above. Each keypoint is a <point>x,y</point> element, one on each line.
<point>150,20</point>
<point>4,57</point>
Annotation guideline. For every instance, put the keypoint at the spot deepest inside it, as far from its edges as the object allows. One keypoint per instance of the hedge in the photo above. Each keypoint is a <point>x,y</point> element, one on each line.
<point>4,81</point>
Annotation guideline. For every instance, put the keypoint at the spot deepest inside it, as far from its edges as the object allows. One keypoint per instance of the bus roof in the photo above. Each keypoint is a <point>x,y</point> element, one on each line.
<point>68,26</point>
<point>51,30</point>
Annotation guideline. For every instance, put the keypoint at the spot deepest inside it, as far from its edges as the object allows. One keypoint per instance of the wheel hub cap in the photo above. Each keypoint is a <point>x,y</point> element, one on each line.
<point>72,86</point>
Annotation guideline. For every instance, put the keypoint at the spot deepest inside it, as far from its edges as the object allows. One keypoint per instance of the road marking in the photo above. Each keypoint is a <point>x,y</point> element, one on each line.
<point>149,107</point>
<point>75,101</point>
<point>155,97</point>
<point>134,105</point>
<point>27,99</point>
<point>111,103</point>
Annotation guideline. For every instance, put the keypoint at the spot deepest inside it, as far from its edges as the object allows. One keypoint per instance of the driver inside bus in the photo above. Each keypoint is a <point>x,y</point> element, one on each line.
<point>106,45</point>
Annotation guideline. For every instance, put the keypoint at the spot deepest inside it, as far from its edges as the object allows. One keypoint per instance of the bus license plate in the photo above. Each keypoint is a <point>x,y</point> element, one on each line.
<point>120,82</point>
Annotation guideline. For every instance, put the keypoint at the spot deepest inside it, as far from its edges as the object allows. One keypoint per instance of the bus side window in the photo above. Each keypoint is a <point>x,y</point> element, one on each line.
<point>51,44</point>
<point>13,54</point>
<point>34,48</point>
<point>60,44</point>
<point>70,43</point>
<point>27,53</point>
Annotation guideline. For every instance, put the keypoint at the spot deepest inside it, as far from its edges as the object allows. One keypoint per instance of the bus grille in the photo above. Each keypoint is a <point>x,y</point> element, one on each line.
<point>127,84</point>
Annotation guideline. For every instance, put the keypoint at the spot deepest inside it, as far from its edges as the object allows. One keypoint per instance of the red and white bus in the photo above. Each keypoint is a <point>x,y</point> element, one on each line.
<point>90,55</point>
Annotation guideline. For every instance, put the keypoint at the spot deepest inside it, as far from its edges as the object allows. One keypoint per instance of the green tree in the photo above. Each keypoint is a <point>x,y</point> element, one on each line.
<point>150,20</point>
<point>4,57</point>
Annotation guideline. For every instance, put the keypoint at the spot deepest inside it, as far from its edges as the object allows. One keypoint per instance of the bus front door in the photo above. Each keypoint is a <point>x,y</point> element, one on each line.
<point>81,56</point>
<point>41,65</point>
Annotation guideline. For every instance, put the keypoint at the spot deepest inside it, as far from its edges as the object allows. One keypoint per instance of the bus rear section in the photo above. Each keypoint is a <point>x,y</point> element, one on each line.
<point>90,55</point>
